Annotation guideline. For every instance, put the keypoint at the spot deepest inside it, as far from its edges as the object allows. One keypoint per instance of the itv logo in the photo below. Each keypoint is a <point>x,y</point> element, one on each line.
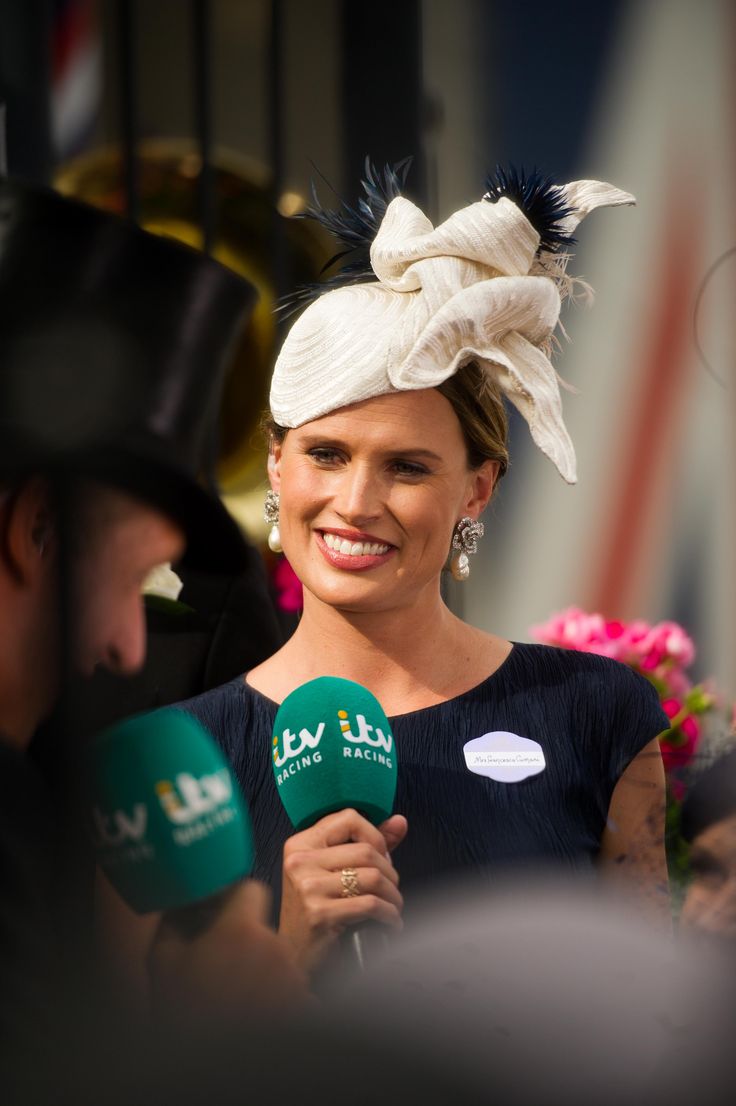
<point>292,746</point>
<point>183,801</point>
<point>117,829</point>
<point>189,797</point>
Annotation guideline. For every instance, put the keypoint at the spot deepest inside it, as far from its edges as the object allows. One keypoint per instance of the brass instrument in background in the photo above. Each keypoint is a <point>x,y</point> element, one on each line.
<point>249,219</point>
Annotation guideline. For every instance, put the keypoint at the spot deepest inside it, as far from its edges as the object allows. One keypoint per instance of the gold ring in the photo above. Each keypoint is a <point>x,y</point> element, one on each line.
<point>349,881</point>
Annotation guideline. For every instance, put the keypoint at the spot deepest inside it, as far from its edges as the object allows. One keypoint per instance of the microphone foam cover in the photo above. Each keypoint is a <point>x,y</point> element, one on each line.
<point>333,748</point>
<point>169,820</point>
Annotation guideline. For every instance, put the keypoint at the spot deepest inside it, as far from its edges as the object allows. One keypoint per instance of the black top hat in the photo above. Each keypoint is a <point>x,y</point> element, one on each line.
<point>113,346</point>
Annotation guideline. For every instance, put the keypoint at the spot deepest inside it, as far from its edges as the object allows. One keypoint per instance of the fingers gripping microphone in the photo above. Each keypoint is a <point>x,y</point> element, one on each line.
<point>333,748</point>
<point>170,825</point>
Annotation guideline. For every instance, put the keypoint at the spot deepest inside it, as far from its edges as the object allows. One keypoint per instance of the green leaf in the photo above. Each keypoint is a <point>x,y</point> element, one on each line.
<point>166,606</point>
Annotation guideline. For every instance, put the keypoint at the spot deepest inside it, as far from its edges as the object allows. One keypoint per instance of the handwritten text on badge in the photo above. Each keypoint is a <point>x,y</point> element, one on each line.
<point>505,757</point>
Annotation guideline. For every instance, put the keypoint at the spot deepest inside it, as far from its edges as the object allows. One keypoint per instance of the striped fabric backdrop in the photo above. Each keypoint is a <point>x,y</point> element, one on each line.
<point>650,530</point>
<point>76,74</point>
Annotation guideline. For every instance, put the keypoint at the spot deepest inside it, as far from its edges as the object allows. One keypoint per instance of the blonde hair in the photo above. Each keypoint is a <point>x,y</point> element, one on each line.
<point>476,401</point>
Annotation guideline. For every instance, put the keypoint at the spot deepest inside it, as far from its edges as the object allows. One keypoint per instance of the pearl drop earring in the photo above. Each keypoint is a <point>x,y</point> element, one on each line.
<point>464,541</point>
<point>271,514</point>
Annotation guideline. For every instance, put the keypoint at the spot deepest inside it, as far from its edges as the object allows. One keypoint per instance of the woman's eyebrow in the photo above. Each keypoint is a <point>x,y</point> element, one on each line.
<point>418,452</point>
<point>409,451</point>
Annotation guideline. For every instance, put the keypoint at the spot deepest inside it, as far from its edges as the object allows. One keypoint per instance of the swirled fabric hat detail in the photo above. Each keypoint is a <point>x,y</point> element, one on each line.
<point>485,285</point>
<point>113,346</point>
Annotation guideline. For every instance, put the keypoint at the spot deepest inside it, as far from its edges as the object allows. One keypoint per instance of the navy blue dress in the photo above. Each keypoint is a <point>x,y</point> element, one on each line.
<point>590,715</point>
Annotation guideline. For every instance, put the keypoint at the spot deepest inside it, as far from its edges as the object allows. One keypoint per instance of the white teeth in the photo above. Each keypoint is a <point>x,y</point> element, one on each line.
<point>355,548</point>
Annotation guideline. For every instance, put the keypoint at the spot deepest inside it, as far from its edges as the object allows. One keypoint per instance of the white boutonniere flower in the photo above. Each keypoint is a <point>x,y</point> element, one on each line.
<point>163,581</point>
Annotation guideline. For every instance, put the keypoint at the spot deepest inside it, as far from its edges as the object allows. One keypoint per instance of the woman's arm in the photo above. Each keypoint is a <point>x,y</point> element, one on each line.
<point>632,851</point>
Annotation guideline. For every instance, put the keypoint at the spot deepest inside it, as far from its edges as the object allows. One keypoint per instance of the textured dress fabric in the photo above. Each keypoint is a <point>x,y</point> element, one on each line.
<point>590,715</point>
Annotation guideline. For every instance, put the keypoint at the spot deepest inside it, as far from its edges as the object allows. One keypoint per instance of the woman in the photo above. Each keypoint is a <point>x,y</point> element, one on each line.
<point>388,437</point>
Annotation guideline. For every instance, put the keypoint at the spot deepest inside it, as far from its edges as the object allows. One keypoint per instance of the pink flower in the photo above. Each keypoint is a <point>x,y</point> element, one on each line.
<point>636,646</point>
<point>651,647</point>
<point>572,629</point>
<point>691,728</point>
<point>674,679</point>
<point>678,644</point>
<point>651,660</point>
<point>289,591</point>
<point>662,653</point>
<point>635,633</point>
<point>676,754</point>
<point>677,788</point>
<point>679,744</point>
<point>604,649</point>
<point>671,707</point>
<point>670,640</point>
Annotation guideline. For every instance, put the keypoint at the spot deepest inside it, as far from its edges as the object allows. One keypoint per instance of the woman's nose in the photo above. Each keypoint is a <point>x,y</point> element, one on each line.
<point>358,498</point>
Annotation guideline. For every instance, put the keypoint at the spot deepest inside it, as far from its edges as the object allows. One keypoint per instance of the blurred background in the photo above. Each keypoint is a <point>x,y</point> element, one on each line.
<point>208,120</point>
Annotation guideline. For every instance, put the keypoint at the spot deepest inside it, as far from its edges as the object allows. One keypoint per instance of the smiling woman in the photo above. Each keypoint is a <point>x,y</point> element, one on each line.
<point>367,509</point>
<point>387,439</point>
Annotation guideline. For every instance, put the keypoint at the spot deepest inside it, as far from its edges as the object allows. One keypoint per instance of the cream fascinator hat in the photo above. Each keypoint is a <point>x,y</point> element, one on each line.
<point>486,286</point>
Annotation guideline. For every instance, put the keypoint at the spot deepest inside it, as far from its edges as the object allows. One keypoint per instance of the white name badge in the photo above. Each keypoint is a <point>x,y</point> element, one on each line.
<point>505,757</point>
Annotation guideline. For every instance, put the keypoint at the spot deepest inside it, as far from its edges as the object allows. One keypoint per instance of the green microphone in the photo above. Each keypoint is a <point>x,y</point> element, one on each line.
<point>170,825</point>
<point>333,748</point>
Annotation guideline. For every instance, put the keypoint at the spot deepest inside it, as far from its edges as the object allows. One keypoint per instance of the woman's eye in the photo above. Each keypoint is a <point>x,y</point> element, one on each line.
<point>408,468</point>
<point>324,456</point>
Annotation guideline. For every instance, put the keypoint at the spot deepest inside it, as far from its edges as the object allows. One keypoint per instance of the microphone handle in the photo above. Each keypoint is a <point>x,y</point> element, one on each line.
<point>367,942</point>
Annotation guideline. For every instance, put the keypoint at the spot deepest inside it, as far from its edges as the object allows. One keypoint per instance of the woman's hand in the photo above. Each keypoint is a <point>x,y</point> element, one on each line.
<point>314,908</point>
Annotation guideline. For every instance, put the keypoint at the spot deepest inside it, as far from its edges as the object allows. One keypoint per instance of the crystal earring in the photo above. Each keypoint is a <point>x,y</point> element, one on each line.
<point>464,542</point>
<point>271,514</point>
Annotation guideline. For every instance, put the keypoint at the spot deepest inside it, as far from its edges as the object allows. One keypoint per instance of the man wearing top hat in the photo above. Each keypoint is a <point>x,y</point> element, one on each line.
<point>112,346</point>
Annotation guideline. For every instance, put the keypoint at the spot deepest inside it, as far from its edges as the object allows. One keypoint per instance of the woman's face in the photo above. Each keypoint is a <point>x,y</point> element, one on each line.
<point>370,495</point>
